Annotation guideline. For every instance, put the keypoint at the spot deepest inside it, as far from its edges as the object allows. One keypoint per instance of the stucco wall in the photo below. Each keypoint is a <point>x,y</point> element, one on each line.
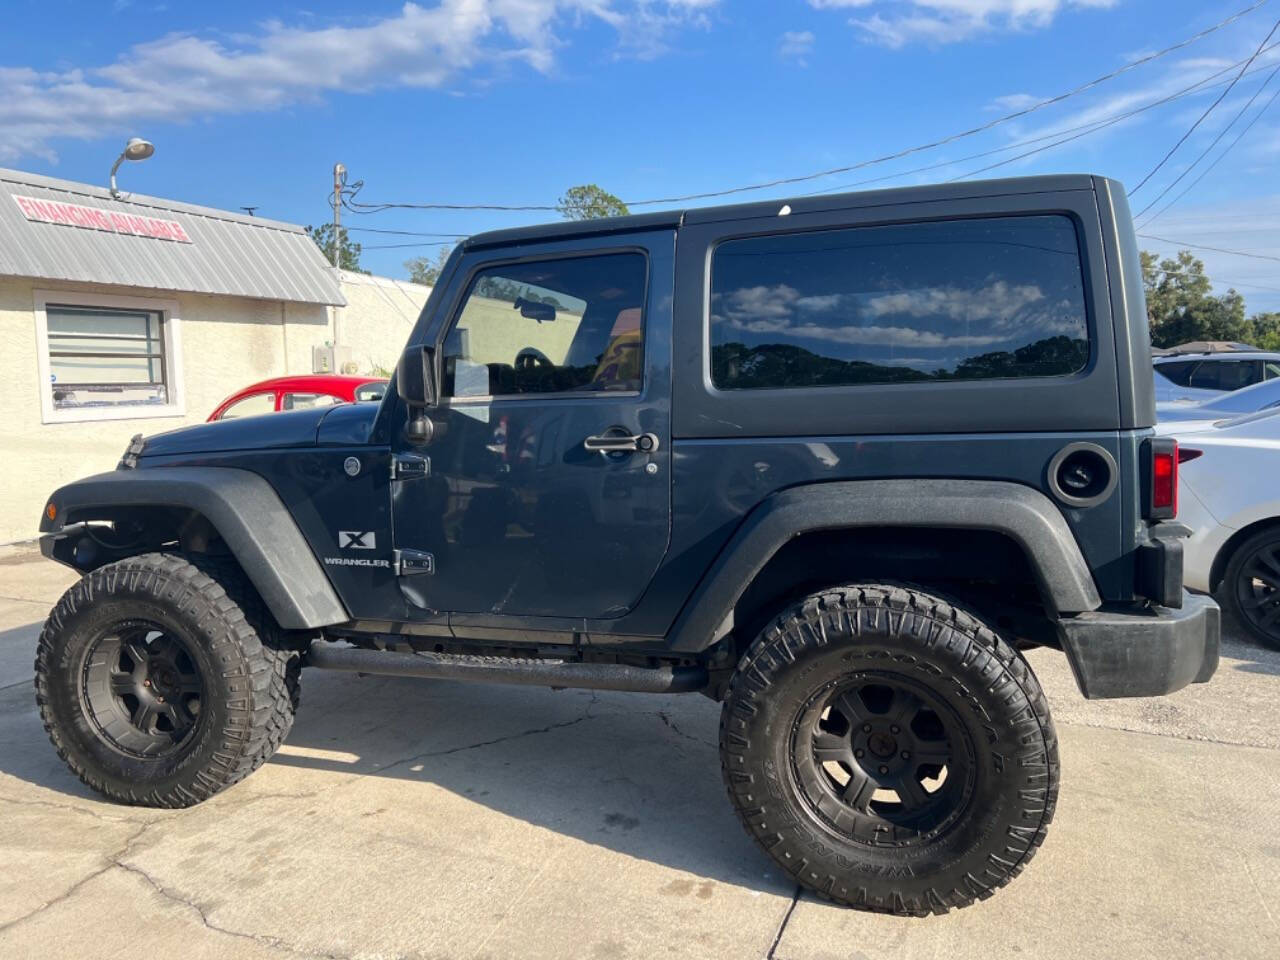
<point>227,343</point>
<point>377,319</point>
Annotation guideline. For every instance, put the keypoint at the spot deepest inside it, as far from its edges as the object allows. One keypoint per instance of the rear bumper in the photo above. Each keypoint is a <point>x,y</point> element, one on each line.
<point>1147,652</point>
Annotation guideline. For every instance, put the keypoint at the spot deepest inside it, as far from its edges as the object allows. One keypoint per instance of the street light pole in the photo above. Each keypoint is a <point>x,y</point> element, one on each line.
<point>135,149</point>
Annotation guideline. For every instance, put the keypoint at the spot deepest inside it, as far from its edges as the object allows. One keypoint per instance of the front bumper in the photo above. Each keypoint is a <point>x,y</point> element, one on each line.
<point>1142,652</point>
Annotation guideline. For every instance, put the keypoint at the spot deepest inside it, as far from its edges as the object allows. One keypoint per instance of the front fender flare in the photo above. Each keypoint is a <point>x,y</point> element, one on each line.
<point>248,515</point>
<point>1023,514</point>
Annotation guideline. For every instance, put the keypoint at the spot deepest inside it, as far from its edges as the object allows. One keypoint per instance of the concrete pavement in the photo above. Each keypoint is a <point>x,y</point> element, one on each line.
<point>429,819</point>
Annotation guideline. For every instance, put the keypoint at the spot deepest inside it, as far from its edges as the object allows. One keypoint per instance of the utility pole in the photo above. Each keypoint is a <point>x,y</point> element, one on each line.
<point>339,171</point>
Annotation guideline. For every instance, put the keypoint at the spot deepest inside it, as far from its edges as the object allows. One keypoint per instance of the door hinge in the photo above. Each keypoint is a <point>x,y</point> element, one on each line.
<point>409,466</point>
<point>412,563</point>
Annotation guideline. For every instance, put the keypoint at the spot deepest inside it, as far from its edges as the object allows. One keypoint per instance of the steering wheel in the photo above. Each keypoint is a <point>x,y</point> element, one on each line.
<point>530,359</point>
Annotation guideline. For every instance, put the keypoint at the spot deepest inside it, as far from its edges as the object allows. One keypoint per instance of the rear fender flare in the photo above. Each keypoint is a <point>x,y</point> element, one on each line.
<point>1023,514</point>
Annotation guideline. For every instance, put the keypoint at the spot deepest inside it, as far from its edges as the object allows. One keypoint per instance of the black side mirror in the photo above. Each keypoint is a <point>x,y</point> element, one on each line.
<point>416,377</point>
<point>416,385</point>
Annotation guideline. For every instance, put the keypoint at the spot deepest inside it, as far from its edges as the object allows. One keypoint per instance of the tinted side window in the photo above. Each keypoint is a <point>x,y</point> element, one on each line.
<point>966,299</point>
<point>1179,371</point>
<point>571,324</point>
<point>1226,374</point>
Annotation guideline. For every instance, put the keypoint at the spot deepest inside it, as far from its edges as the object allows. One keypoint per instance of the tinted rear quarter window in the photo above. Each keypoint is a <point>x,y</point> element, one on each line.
<point>1226,374</point>
<point>1179,371</point>
<point>992,298</point>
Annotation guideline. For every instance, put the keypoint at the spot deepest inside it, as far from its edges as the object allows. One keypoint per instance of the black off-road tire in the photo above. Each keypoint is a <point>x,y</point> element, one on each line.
<point>1255,608</point>
<point>248,677</point>
<point>1005,782</point>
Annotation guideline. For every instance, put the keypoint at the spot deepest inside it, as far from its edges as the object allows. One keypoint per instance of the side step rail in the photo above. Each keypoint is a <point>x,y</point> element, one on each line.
<point>326,655</point>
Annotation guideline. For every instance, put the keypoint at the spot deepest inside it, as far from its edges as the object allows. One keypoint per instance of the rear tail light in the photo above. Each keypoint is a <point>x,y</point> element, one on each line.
<point>1160,478</point>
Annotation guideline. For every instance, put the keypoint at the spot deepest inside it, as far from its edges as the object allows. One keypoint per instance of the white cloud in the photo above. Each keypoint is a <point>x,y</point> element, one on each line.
<point>796,45</point>
<point>939,314</point>
<point>897,23</point>
<point>183,76</point>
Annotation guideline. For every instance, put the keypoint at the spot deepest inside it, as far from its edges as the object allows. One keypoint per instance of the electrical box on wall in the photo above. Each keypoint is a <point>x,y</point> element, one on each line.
<point>329,359</point>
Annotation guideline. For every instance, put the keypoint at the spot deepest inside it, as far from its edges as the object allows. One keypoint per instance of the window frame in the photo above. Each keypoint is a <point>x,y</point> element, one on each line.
<point>171,356</point>
<point>708,345</point>
<point>459,304</point>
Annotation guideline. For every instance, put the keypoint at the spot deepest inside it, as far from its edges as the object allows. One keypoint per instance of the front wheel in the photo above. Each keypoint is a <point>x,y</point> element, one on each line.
<point>161,680</point>
<point>889,751</point>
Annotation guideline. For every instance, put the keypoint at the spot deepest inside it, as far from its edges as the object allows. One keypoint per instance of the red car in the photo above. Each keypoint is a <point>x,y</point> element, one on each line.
<point>297,393</point>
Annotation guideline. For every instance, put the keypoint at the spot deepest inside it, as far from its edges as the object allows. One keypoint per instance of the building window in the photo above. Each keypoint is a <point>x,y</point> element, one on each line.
<point>106,358</point>
<point>985,299</point>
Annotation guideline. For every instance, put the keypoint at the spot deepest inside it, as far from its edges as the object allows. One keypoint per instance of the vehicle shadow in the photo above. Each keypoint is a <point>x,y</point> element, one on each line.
<point>635,774</point>
<point>1252,657</point>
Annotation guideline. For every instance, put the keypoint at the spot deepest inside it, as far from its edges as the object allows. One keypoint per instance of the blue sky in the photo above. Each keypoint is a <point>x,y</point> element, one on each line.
<point>512,101</point>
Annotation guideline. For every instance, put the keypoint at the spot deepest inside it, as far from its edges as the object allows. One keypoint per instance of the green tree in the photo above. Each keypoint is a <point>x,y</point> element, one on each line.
<point>589,202</point>
<point>427,270</point>
<point>1181,306</point>
<point>1266,330</point>
<point>349,251</point>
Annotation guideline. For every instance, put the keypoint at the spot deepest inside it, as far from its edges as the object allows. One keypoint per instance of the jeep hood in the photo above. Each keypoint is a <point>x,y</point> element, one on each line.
<point>296,428</point>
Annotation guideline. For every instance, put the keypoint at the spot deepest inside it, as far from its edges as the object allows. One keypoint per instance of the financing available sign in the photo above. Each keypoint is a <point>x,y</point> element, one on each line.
<point>107,221</point>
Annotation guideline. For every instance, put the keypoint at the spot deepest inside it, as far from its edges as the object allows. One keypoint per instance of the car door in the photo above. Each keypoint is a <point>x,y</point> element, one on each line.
<point>547,486</point>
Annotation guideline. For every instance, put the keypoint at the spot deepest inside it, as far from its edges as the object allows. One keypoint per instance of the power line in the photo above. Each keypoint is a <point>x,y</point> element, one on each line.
<point>1240,136</point>
<point>1090,127</point>
<point>1209,149</point>
<point>408,233</point>
<point>1200,119</point>
<point>1194,246</point>
<point>359,207</point>
<point>401,246</point>
<point>1107,122</point>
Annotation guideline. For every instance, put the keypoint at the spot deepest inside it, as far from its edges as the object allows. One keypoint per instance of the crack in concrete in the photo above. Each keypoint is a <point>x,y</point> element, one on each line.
<point>112,862</point>
<point>41,603</point>
<point>81,810</point>
<point>782,927</point>
<point>117,859</point>
<point>263,939</point>
<point>1190,737</point>
<point>426,755</point>
<point>666,719</point>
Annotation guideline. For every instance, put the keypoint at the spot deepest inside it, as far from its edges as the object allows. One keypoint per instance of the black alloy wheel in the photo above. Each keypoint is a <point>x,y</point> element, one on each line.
<point>880,760</point>
<point>142,688</point>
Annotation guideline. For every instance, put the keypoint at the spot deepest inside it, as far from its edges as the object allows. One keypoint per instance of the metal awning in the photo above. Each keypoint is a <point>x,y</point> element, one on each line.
<point>60,230</point>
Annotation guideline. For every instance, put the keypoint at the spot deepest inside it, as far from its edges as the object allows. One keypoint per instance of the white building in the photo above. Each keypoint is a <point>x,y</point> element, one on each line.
<point>138,315</point>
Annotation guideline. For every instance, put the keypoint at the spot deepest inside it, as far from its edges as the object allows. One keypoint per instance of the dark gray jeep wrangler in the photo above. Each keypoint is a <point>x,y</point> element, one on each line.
<point>833,462</point>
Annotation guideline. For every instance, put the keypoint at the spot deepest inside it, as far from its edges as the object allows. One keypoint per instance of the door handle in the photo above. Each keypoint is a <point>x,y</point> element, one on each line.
<point>607,444</point>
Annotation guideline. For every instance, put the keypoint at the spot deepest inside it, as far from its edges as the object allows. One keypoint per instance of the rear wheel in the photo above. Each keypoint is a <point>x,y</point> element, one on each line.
<point>160,685</point>
<point>889,751</point>
<point>1250,588</point>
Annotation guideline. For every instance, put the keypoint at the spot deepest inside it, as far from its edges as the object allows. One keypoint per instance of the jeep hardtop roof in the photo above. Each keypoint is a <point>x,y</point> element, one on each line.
<point>669,219</point>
